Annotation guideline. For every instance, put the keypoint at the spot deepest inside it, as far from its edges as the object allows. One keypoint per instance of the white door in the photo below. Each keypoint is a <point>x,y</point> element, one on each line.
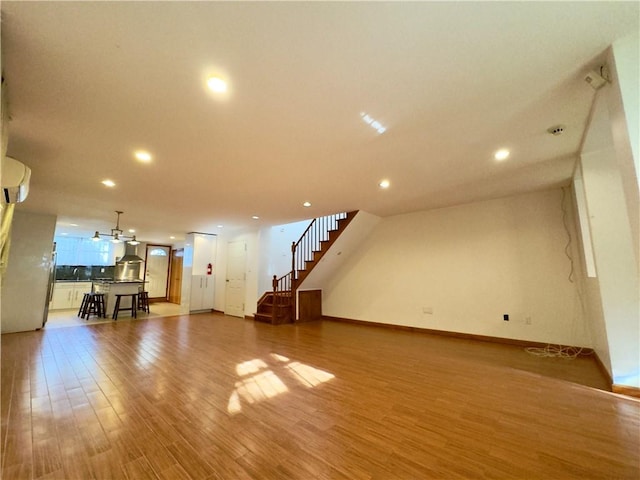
<point>157,273</point>
<point>235,281</point>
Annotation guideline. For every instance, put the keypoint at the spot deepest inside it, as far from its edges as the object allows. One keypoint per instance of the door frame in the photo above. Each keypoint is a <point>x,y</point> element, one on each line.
<point>175,253</point>
<point>146,255</point>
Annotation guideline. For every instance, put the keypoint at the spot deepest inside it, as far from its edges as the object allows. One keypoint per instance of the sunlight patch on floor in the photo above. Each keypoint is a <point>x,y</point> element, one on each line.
<point>308,375</point>
<point>260,382</point>
<point>252,366</point>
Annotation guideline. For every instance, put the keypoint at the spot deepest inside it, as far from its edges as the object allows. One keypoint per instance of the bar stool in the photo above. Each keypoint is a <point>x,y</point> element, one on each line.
<point>133,308</point>
<point>101,309</point>
<point>83,305</point>
<point>143,301</point>
<point>92,304</point>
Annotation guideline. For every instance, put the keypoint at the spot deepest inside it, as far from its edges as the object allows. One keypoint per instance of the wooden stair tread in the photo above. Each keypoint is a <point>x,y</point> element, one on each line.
<point>273,312</point>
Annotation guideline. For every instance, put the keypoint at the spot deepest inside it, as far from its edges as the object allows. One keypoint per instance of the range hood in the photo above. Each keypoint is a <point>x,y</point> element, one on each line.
<point>130,254</point>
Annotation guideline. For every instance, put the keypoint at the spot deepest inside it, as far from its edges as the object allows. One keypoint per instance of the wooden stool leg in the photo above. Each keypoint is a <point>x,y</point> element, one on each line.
<point>83,305</point>
<point>103,308</point>
<point>88,302</point>
<point>116,308</point>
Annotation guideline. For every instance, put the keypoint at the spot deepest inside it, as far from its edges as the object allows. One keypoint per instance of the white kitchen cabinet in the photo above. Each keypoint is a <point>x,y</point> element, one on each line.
<point>202,291</point>
<point>68,295</point>
<point>199,268</point>
<point>204,253</point>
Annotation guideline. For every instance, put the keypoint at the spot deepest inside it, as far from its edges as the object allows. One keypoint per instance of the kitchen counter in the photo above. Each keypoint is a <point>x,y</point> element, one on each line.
<point>111,282</point>
<point>111,288</point>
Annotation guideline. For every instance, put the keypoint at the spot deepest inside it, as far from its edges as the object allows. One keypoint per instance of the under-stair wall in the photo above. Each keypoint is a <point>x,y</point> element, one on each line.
<point>279,304</point>
<point>358,230</point>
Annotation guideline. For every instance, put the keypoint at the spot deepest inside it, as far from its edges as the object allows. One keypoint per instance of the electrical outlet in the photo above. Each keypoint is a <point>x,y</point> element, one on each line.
<point>505,317</point>
<point>527,320</point>
<point>428,310</point>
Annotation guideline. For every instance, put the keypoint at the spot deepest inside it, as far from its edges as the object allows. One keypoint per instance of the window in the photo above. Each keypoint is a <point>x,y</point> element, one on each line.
<point>84,251</point>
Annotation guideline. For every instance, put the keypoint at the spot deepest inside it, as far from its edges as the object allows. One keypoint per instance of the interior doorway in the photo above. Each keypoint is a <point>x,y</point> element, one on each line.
<point>175,276</point>
<point>236,279</point>
<point>156,273</point>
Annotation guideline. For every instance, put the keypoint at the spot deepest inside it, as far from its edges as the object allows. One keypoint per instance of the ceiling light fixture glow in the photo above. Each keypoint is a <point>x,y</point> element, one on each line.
<point>143,156</point>
<point>255,217</point>
<point>306,204</point>
<point>501,154</point>
<point>216,84</point>
<point>384,184</point>
<point>109,183</point>
<point>373,123</point>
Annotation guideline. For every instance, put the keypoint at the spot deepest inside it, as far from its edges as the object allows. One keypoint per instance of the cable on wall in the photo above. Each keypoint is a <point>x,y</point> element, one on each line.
<point>561,350</point>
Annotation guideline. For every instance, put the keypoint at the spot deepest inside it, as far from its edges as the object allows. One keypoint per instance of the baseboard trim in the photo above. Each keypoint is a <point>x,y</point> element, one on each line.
<point>603,369</point>
<point>626,390</point>
<point>447,333</point>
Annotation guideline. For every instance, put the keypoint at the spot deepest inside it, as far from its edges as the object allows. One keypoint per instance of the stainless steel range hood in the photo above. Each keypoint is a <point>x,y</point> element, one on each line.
<point>130,255</point>
<point>128,267</point>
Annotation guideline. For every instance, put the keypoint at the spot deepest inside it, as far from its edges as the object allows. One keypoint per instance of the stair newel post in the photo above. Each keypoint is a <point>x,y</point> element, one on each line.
<point>293,261</point>
<point>293,281</point>
<point>274,283</point>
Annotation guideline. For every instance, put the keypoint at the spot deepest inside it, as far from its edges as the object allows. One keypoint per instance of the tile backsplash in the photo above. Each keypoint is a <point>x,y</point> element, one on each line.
<point>84,272</point>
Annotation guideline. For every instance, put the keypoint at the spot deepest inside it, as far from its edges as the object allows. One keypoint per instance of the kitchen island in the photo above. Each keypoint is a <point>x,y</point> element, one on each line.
<point>111,288</point>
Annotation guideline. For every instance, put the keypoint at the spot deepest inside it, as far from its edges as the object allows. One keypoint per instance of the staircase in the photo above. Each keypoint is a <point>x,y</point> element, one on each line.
<point>279,305</point>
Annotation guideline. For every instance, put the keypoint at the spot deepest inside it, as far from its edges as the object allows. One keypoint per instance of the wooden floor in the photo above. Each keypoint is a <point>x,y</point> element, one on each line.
<point>213,397</point>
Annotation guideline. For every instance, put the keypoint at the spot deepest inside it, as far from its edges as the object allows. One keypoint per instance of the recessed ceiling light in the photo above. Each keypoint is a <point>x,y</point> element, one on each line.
<point>501,154</point>
<point>306,204</point>
<point>220,226</point>
<point>132,230</point>
<point>73,224</point>
<point>255,217</point>
<point>143,156</point>
<point>216,84</point>
<point>384,184</point>
<point>109,183</point>
<point>172,237</point>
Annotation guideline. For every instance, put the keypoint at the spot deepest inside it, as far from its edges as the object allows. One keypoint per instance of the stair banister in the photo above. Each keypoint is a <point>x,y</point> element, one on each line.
<point>303,259</point>
<point>274,283</point>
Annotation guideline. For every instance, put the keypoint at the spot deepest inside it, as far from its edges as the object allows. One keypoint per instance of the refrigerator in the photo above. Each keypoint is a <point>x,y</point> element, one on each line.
<point>50,283</point>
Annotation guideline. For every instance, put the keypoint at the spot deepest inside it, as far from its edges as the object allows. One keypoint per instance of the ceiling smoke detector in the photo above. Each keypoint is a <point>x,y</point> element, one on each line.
<point>556,130</point>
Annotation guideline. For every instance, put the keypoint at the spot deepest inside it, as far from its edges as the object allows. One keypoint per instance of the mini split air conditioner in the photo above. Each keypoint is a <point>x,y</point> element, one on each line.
<point>15,178</point>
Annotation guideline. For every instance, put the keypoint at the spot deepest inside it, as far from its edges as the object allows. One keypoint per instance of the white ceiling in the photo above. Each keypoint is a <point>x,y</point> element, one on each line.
<point>88,83</point>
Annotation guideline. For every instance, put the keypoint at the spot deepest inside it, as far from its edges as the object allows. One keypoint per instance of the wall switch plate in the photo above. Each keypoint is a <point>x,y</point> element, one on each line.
<point>527,320</point>
<point>505,317</point>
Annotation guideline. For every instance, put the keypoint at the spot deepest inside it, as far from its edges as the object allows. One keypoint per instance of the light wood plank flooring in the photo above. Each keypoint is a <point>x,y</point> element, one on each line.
<point>213,397</point>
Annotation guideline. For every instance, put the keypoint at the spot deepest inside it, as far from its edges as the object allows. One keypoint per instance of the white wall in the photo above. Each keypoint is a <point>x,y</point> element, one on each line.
<point>349,242</point>
<point>279,247</point>
<point>623,104</point>
<point>610,187</point>
<point>274,253</point>
<point>469,264</point>
<point>24,286</point>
